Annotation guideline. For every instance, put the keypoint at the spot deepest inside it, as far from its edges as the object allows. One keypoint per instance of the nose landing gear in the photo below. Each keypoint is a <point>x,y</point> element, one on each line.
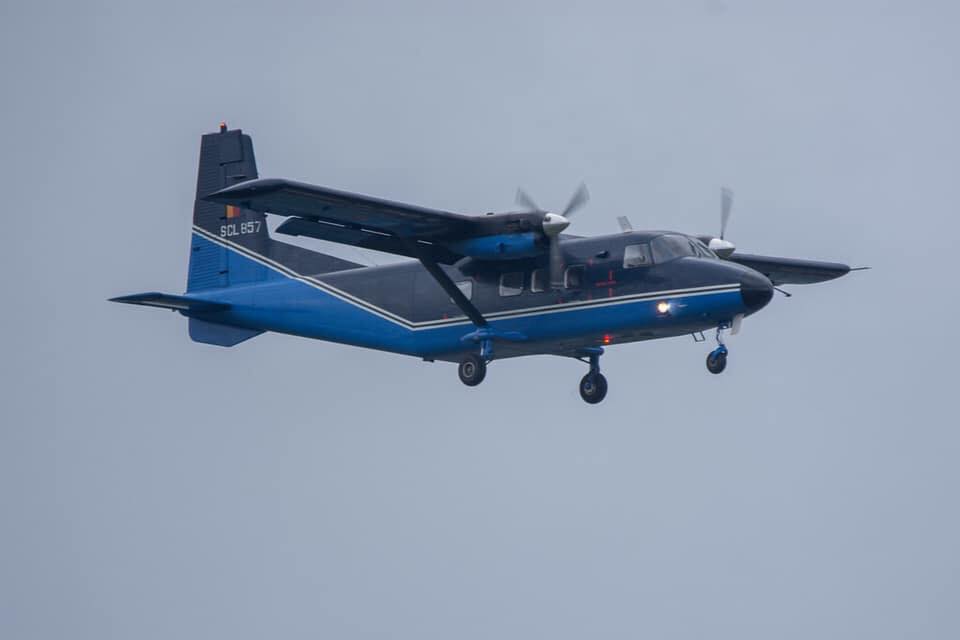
<point>717,359</point>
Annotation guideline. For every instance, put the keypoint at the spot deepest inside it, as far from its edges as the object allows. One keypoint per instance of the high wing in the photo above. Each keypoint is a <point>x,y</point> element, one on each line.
<point>351,218</point>
<point>791,270</point>
<point>429,235</point>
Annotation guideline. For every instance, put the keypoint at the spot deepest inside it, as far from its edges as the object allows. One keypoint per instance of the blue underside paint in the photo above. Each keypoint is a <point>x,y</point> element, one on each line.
<point>287,305</point>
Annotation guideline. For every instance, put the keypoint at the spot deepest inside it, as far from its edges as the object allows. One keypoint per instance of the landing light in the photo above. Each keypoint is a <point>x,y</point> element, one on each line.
<point>663,307</point>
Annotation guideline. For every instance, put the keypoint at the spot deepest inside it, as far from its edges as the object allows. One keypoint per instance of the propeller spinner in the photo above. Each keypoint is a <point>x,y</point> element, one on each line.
<point>553,225</point>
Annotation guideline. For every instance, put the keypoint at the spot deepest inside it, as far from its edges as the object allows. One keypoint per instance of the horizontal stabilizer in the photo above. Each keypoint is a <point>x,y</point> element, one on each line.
<point>168,301</point>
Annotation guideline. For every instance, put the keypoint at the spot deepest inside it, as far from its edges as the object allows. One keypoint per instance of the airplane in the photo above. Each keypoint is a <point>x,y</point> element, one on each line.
<point>477,288</point>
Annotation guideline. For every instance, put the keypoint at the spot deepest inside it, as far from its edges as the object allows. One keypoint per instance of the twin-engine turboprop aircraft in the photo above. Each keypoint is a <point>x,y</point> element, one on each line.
<point>478,288</point>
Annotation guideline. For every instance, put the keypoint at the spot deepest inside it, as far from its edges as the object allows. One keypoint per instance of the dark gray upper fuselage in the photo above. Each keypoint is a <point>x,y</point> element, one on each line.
<point>408,290</point>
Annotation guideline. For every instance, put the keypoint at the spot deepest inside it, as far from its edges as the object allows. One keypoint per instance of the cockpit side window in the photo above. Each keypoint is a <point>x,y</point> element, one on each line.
<point>670,246</point>
<point>636,255</point>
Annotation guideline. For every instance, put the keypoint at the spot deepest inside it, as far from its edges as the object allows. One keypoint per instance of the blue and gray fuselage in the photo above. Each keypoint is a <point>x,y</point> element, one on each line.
<point>608,298</point>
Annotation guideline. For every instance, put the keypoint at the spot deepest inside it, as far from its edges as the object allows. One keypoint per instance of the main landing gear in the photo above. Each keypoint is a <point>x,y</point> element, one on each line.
<point>472,370</point>
<point>473,367</point>
<point>593,386</point>
<point>717,359</point>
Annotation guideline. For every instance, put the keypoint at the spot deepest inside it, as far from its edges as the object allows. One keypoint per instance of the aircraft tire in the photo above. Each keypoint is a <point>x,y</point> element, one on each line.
<point>593,388</point>
<point>716,362</point>
<point>472,370</point>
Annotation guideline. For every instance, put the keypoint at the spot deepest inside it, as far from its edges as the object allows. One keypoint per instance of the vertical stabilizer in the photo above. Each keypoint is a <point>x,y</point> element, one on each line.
<point>226,158</point>
<point>222,234</point>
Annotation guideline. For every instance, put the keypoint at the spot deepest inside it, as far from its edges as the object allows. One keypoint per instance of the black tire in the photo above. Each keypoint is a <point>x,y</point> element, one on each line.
<point>593,388</point>
<point>716,362</point>
<point>472,370</point>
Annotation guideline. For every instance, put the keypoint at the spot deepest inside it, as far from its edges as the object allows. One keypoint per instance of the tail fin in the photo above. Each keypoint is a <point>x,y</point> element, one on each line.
<point>230,246</point>
<point>225,237</point>
<point>225,158</point>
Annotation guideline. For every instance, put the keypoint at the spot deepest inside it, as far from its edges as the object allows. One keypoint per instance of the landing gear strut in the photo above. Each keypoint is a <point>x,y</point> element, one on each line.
<point>717,359</point>
<point>593,386</point>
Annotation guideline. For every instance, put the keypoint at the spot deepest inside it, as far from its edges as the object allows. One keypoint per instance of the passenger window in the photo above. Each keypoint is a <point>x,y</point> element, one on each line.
<point>539,280</point>
<point>636,255</point>
<point>511,284</point>
<point>573,278</point>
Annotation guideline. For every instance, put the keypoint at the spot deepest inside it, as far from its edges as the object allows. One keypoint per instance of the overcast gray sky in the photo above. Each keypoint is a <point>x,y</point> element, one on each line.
<point>151,487</point>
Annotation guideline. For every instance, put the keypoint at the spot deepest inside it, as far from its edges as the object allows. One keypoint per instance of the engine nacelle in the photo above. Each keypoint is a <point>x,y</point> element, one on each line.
<point>503,246</point>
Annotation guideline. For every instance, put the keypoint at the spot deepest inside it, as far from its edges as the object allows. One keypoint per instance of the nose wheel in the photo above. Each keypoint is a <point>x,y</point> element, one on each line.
<point>717,359</point>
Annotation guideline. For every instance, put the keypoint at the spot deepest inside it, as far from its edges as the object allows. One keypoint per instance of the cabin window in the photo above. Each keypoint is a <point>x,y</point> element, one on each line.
<point>539,280</point>
<point>466,288</point>
<point>511,284</point>
<point>670,246</point>
<point>573,277</point>
<point>636,255</point>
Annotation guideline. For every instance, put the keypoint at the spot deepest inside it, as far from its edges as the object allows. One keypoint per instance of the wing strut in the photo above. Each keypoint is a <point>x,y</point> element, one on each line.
<point>454,292</point>
<point>444,281</point>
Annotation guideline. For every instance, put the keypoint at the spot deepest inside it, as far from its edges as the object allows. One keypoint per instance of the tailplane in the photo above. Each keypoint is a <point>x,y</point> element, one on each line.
<point>230,246</point>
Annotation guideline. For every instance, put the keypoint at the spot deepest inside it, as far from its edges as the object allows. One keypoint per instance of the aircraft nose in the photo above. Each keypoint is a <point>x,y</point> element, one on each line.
<point>756,291</point>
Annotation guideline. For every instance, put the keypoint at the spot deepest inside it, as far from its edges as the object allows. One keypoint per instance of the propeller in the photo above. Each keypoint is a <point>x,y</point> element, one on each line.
<point>553,225</point>
<point>721,246</point>
<point>726,204</point>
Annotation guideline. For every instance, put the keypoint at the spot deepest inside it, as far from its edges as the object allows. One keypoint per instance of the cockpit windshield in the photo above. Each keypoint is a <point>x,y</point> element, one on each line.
<point>671,245</point>
<point>702,249</point>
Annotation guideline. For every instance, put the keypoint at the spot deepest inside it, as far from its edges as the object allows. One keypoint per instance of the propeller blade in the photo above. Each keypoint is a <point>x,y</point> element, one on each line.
<point>579,198</point>
<point>726,204</point>
<point>556,263</point>
<point>524,200</point>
